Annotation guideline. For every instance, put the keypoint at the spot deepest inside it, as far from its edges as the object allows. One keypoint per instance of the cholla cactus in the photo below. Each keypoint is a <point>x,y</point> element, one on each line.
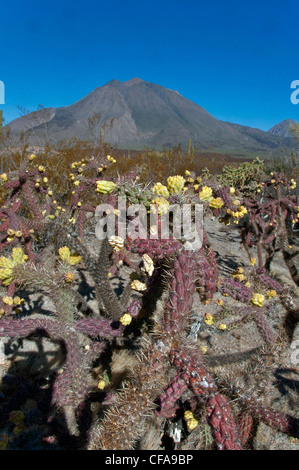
<point>235,289</point>
<point>166,373</point>
<point>156,249</point>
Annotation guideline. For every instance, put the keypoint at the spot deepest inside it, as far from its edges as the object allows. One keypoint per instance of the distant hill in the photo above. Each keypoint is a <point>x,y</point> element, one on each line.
<point>136,113</point>
<point>283,128</point>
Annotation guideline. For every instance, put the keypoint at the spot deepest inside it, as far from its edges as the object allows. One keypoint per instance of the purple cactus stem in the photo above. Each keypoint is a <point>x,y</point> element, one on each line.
<point>235,289</point>
<point>99,327</point>
<point>170,395</point>
<point>223,426</point>
<point>268,281</point>
<point>155,248</point>
<point>193,372</point>
<point>134,308</point>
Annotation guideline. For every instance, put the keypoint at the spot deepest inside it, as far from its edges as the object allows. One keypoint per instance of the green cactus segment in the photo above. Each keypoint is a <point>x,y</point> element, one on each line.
<point>124,423</point>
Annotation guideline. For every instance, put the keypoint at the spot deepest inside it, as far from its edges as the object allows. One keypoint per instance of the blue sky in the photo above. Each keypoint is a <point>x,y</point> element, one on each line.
<point>236,59</point>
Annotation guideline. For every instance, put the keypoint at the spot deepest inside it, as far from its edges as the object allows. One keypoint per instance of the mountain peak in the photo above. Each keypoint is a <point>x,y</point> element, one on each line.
<point>283,128</point>
<point>133,81</point>
<point>136,113</point>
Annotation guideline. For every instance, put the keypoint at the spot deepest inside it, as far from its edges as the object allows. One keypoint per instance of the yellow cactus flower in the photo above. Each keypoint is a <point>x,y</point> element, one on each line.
<point>101,384</point>
<point>162,205</point>
<point>105,187</point>
<point>7,300</point>
<point>258,299</point>
<point>192,423</point>
<point>175,184</point>
<point>209,319</point>
<point>161,190</point>
<point>293,185</point>
<point>32,157</point>
<point>69,277</point>
<point>252,261</point>
<point>111,159</point>
<point>18,301</point>
<point>125,319</point>
<point>190,420</point>
<point>203,349</point>
<point>188,415</point>
<point>137,285</point>
<point>3,177</point>
<point>232,190</point>
<point>148,264</point>
<point>41,168</point>
<point>222,326</point>
<point>271,293</point>
<point>117,242</point>
<point>65,255</point>
<point>240,212</point>
<point>18,234</point>
<point>219,302</point>
<point>247,284</point>
<point>216,203</point>
<point>206,194</point>
<point>238,275</point>
<point>10,232</point>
